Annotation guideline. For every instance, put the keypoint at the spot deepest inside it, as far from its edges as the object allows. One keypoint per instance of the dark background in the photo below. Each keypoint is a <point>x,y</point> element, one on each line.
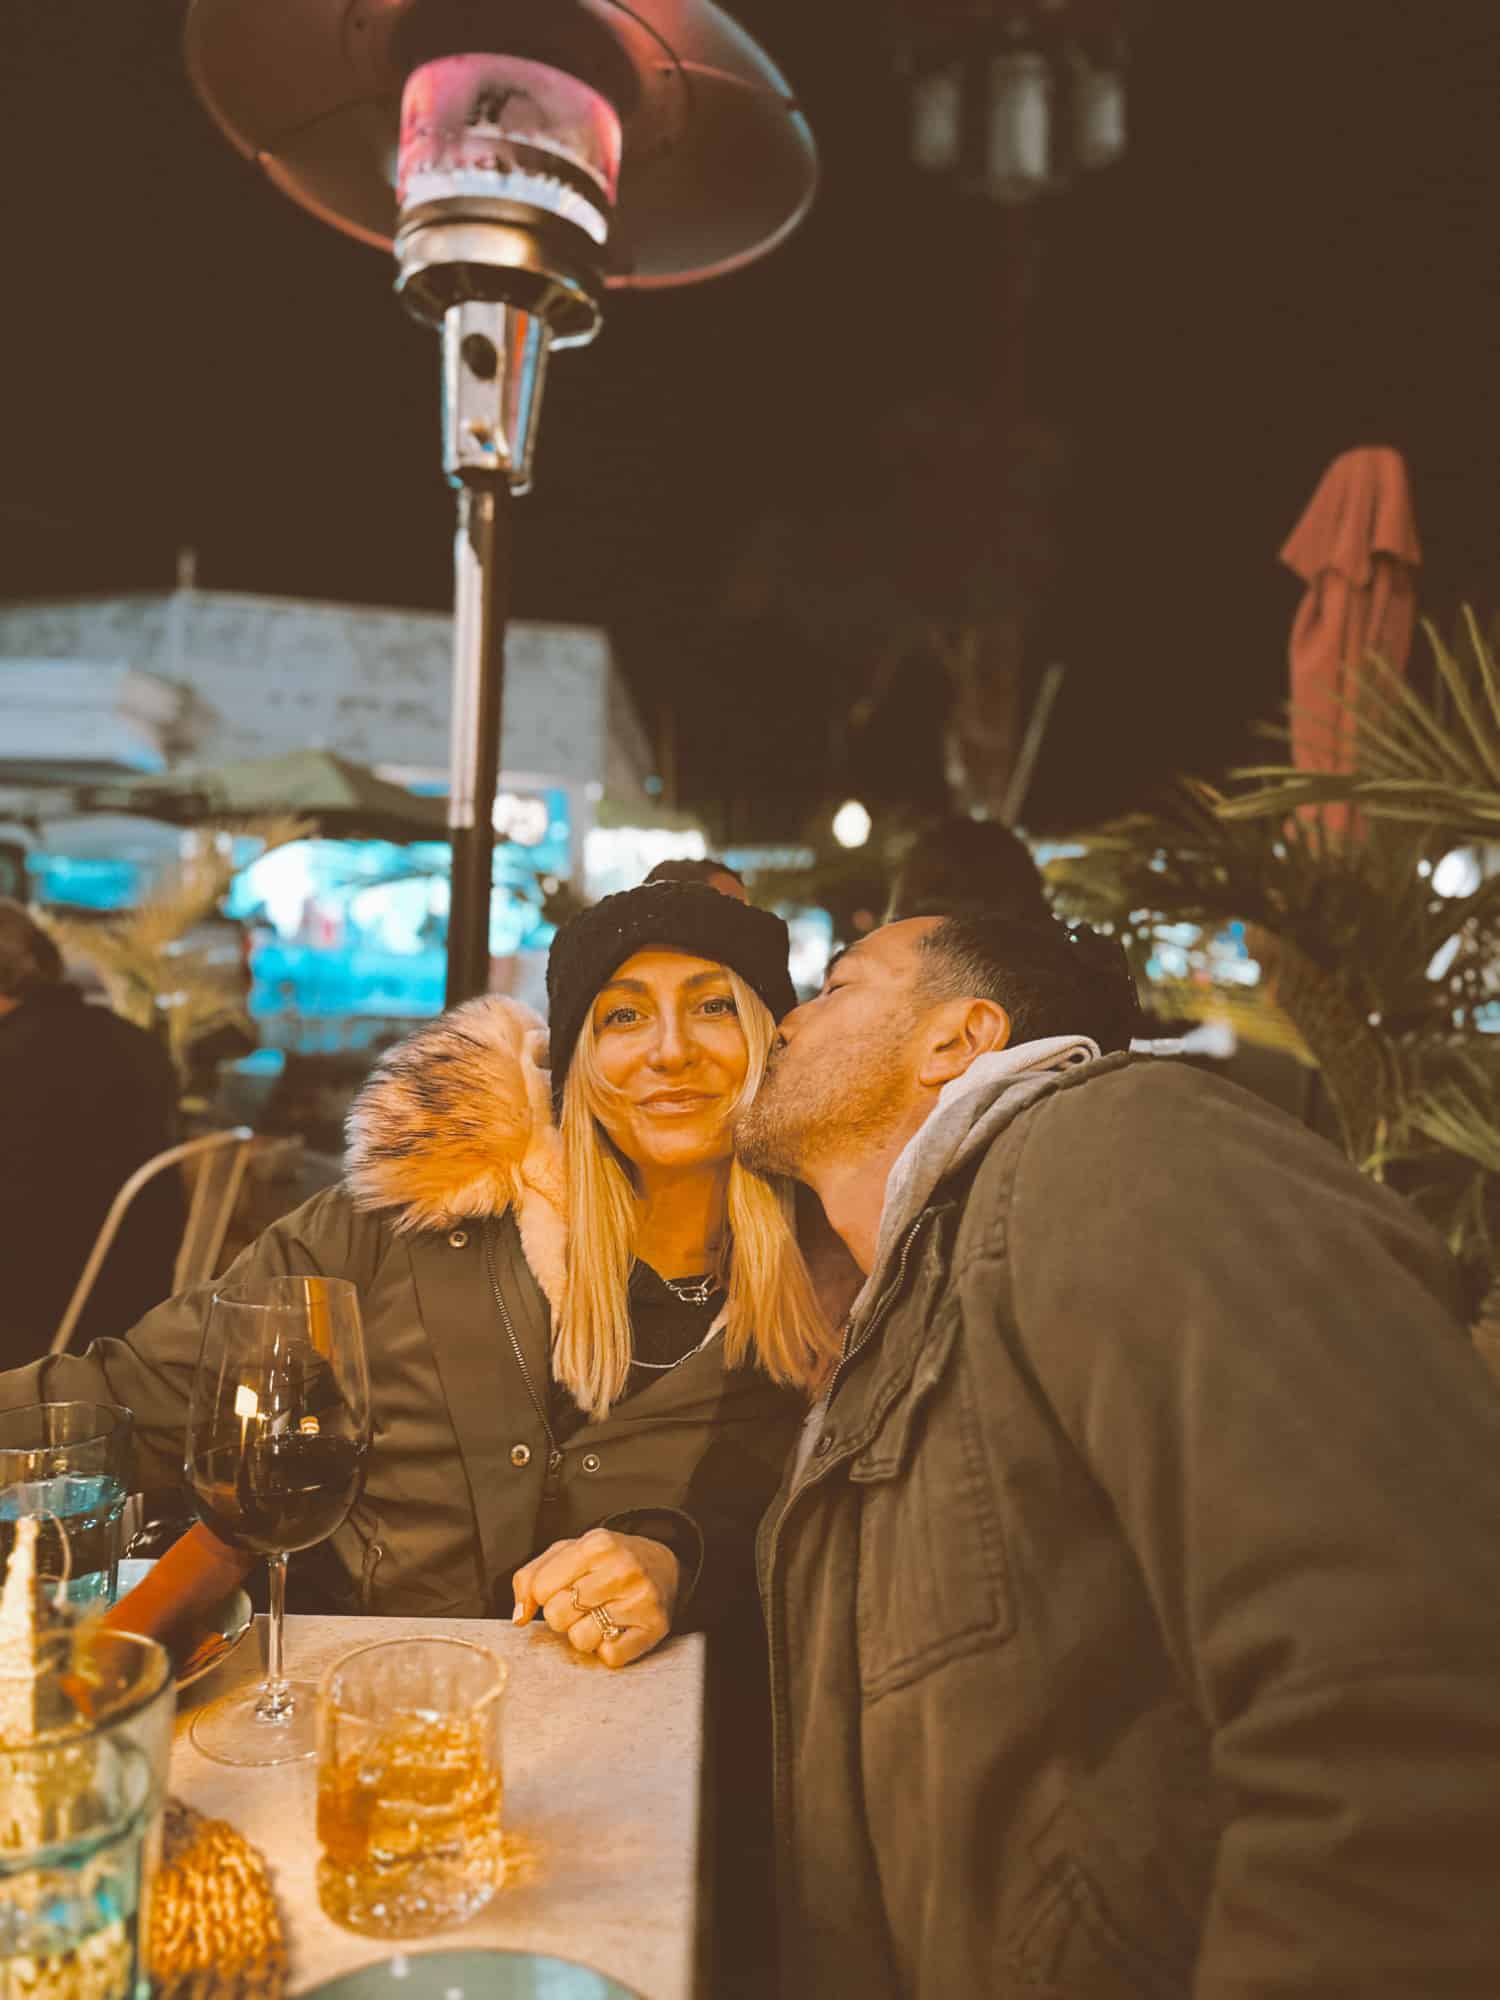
<point>1298,254</point>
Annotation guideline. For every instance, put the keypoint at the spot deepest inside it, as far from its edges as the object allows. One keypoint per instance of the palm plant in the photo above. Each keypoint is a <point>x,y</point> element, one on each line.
<point>151,972</point>
<point>1429,762</point>
<point>1367,971</point>
<point>1432,764</point>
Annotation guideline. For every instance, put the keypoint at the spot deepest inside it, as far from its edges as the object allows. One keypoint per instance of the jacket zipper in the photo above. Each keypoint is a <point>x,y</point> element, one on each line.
<point>554,1455</point>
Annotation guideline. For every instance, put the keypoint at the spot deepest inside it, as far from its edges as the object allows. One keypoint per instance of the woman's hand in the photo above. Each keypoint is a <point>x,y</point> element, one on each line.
<point>633,1579</point>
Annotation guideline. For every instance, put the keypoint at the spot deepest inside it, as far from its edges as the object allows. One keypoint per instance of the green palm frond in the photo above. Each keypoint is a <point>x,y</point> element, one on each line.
<point>1366,914</point>
<point>1359,1068</point>
<point>1487,1328</point>
<point>1247,1011</point>
<point>1445,1154</point>
<point>1459,1126</point>
<point>1419,760</point>
<point>148,975</point>
<point>1383,982</point>
<point>1454,1099</point>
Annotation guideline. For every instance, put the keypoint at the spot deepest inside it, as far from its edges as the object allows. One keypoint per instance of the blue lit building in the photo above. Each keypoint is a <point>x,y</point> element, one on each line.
<point>100,688</point>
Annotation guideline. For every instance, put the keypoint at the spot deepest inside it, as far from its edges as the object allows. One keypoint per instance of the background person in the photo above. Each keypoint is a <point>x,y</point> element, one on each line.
<point>85,1099</point>
<point>712,874</point>
<point>958,864</point>
<point>1134,1597</point>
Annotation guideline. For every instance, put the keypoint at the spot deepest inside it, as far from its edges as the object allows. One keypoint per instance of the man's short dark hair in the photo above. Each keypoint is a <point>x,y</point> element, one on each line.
<point>28,957</point>
<point>693,871</point>
<point>959,867</point>
<point>1051,978</point>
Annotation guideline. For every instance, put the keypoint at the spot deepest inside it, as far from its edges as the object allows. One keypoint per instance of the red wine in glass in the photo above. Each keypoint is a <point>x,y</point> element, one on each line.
<point>283,1494</point>
<point>278,1433</point>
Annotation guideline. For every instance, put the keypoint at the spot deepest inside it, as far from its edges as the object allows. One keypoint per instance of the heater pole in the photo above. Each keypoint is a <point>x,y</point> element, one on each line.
<point>482,561</point>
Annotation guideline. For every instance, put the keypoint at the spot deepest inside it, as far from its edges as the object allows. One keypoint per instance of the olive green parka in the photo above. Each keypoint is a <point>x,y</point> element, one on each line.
<point>1134,1609</point>
<point>451,1224</point>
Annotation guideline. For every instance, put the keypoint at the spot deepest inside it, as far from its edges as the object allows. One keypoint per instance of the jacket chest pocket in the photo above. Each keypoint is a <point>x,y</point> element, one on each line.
<point>932,1583</point>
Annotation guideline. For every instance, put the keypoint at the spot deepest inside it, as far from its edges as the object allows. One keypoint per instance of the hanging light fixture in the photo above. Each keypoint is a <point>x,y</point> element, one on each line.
<point>937,118</point>
<point>1018,98</point>
<point>1098,93</point>
<point>522,159</point>
<point>1018,108</point>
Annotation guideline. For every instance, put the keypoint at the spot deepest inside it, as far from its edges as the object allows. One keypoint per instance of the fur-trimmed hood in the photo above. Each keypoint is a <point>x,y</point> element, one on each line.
<point>456,1124</point>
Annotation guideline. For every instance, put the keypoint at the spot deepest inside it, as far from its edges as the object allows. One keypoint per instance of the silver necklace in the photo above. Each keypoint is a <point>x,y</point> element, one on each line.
<point>692,1291</point>
<point>663,1367</point>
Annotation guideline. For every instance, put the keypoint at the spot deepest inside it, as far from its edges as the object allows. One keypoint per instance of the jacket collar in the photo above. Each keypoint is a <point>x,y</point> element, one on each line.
<point>455,1125</point>
<point>970,1111</point>
<point>912,1355</point>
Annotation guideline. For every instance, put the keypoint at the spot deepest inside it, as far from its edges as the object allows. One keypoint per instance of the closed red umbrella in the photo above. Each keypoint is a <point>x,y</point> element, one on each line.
<point>1356,549</point>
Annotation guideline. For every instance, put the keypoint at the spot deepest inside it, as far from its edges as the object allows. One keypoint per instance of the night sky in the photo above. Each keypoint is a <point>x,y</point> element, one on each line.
<point>1299,254</point>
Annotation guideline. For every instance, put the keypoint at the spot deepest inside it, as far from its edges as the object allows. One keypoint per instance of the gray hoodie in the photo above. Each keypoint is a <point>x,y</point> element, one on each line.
<point>968,1113</point>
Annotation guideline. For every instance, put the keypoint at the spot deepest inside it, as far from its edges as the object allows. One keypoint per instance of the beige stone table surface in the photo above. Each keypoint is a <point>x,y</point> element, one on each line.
<point>602,1783</point>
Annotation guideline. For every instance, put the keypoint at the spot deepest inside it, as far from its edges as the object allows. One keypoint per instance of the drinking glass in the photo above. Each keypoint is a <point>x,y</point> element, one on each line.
<point>278,1432</point>
<point>410,1785</point>
<point>80,1820</point>
<point>67,1465</point>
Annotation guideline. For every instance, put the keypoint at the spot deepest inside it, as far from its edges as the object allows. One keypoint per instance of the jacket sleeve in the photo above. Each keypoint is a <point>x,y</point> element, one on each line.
<point>677,1532</point>
<point>1256,1353</point>
<point>150,1370</point>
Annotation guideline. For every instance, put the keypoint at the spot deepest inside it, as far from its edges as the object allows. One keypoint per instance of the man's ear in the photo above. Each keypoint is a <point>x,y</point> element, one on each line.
<point>961,1030</point>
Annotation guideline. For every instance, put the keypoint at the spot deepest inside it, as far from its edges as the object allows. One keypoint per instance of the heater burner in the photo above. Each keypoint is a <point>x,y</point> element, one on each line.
<point>494,127</point>
<point>718,161</point>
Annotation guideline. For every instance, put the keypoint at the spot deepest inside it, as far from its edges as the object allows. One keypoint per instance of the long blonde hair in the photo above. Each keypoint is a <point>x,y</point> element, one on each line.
<point>773,1315</point>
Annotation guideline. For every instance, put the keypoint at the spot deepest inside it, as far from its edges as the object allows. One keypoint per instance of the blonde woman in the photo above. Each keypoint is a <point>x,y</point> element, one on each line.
<point>561,1311</point>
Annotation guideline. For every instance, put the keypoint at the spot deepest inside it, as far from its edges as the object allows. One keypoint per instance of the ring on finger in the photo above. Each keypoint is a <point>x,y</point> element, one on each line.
<point>608,1629</point>
<point>578,1605</point>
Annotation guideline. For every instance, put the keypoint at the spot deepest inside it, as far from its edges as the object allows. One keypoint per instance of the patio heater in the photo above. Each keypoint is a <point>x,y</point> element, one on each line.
<point>523,158</point>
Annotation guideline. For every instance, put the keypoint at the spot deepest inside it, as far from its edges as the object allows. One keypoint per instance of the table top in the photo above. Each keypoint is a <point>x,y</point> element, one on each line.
<point>602,1780</point>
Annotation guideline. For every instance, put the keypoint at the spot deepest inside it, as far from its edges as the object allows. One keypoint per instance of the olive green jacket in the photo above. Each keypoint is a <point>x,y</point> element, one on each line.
<point>444,1181</point>
<point>1135,1610</point>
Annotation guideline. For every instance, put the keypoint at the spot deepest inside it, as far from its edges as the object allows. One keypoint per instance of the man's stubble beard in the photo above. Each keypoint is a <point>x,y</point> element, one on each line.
<point>796,1123</point>
<point>764,1139</point>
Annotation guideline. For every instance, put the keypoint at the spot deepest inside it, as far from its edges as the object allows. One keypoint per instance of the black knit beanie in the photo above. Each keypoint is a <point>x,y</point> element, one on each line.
<point>686,916</point>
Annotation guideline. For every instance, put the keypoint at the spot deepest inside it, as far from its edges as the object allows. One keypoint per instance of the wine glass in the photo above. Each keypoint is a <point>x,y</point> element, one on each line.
<point>278,1432</point>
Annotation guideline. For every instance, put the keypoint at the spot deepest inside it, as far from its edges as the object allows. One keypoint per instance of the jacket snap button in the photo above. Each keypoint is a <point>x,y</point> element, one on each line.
<point>457,1238</point>
<point>520,1454</point>
<point>591,1461</point>
<point>825,1443</point>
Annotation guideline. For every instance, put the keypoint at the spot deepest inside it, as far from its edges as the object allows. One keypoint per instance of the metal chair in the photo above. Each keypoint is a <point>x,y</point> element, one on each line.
<point>216,1166</point>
